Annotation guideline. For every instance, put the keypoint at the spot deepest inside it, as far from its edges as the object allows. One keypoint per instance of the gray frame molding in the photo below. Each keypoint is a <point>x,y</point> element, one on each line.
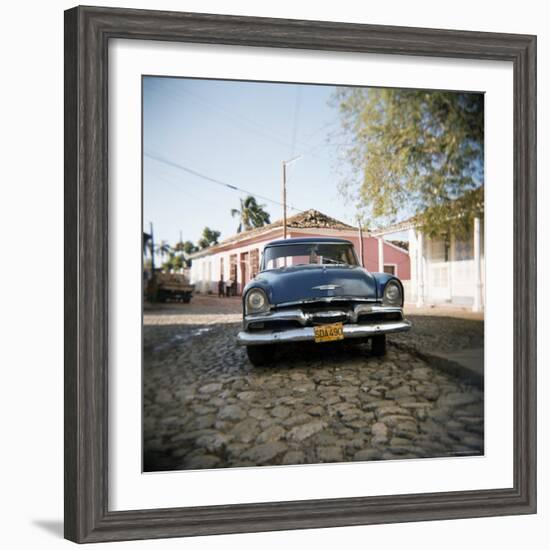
<point>87,34</point>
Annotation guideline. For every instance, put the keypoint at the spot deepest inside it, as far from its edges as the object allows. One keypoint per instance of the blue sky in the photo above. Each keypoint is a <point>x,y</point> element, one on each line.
<point>238,133</point>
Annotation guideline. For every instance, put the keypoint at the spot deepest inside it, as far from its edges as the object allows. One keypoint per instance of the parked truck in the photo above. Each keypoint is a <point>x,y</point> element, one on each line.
<point>163,287</point>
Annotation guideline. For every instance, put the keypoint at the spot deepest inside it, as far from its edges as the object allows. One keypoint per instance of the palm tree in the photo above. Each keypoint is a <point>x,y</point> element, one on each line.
<point>209,238</point>
<point>182,249</point>
<point>163,248</point>
<point>251,214</point>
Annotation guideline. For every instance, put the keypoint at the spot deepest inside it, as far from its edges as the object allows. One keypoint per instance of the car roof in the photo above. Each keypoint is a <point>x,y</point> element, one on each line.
<point>307,240</point>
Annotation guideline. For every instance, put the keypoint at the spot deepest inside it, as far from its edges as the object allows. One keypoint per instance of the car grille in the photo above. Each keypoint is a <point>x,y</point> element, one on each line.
<point>326,313</point>
<point>316,307</point>
<point>274,325</point>
<point>325,320</point>
<point>379,317</point>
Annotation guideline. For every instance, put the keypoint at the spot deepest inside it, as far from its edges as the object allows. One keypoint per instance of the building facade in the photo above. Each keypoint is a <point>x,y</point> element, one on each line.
<point>444,270</point>
<point>237,259</point>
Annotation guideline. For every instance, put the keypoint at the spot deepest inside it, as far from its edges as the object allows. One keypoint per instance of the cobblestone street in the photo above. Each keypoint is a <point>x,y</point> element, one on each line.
<point>205,406</point>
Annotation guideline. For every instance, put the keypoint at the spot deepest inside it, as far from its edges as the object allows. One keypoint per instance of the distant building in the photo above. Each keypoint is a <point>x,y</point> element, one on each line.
<point>238,258</point>
<point>444,270</point>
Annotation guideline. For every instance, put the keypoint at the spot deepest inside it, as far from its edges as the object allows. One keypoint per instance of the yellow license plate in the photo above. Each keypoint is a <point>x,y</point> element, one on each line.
<point>329,333</point>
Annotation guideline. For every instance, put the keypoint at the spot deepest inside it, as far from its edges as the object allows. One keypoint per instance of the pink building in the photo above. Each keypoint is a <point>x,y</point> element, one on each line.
<point>238,257</point>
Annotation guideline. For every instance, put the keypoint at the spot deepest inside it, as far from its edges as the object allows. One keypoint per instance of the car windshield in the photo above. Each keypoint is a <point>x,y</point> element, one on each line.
<point>308,254</point>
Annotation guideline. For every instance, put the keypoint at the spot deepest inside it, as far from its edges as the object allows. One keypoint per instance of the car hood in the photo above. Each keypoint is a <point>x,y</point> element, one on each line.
<point>301,283</point>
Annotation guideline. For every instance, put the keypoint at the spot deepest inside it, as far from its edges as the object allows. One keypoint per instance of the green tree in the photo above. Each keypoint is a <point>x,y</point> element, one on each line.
<point>178,262</point>
<point>167,266</point>
<point>189,247</point>
<point>175,262</point>
<point>251,214</point>
<point>413,152</point>
<point>183,249</point>
<point>163,249</point>
<point>178,247</point>
<point>209,238</point>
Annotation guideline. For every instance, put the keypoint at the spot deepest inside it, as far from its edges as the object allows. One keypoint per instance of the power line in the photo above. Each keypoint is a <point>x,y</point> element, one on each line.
<point>214,180</point>
<point>245,122</point>
<point>185,192</point>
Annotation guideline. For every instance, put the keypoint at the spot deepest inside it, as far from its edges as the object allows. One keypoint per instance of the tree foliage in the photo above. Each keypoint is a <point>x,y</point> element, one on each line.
<point>186,247</point>
<point>178,247</point>
<point>414,153</point>
<point>163,249</point>
<point>209,238</point>
<point>251,214</point>
<point>175,262</point>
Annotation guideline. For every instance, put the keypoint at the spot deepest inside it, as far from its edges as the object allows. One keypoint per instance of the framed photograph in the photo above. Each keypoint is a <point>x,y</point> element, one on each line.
<point>300,274</point>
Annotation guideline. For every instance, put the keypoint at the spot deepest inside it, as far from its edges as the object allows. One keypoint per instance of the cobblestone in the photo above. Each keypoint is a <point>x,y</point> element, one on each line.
<point>205,406</point>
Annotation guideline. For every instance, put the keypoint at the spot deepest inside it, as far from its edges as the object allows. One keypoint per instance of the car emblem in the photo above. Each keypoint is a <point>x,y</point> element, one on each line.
<point>325,287</point>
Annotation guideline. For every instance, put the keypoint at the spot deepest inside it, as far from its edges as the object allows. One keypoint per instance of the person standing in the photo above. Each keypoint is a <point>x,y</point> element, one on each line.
<point>221,288</point>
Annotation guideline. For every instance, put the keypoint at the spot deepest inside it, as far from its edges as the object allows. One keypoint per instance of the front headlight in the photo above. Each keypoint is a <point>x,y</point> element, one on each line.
<point>392,294</point>
<point>256,301</point>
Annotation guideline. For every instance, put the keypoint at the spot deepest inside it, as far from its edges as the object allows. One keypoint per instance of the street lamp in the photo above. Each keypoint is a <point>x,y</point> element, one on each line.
<point>285,164</point>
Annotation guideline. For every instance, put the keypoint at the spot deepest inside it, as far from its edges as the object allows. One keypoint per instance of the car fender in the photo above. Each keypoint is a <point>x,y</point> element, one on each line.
<point>382,279</point>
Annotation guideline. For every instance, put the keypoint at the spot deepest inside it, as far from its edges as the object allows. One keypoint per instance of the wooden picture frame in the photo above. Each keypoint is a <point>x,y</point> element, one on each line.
<point>87,34</point>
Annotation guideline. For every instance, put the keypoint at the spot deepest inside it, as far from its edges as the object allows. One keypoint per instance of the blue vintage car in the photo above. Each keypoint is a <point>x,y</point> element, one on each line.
<point>313,289</point>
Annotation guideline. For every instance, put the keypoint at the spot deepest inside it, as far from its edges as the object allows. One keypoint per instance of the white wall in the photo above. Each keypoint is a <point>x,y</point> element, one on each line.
<point>200,271</point>
<point>458,274</point>
<point>31,111</point>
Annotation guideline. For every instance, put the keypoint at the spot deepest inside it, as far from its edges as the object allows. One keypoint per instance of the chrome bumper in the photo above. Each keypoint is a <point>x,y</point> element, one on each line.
<point>305,333</point>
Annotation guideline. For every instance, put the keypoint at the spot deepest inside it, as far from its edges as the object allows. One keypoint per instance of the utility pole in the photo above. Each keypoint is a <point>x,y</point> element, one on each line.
<point>284,165</point>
